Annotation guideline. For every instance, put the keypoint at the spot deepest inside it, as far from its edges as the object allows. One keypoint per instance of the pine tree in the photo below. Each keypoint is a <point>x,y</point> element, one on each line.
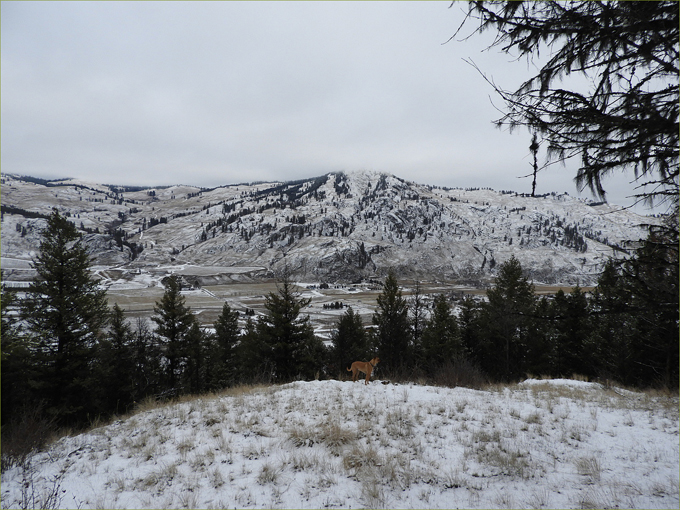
<point>650,279</point>
<point>287,334</point>
<point>18,369</point>
<point>635,309</point>
<point>418,319</point>
<point>540,343</point>
<point>115,364</point>
<point>468,321</point>
<point>195,373</point>
<point>393,327</point>
<point>572,323</point>
<point>611,334</point>
<point>174,321</point>
<point>253,356</point>
<point>348,342</point>
<point>146,362</point>
<point>506,321</point>
<point>65,312</point>
<point>222,370</point>
<point>441,340</point>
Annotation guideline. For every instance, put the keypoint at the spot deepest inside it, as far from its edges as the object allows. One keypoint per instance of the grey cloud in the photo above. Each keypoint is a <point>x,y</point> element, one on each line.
<point>218,92</point>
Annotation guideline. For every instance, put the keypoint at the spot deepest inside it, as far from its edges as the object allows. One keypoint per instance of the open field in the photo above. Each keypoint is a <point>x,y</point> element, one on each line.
<point>207,301</point>
<point>337,444</point>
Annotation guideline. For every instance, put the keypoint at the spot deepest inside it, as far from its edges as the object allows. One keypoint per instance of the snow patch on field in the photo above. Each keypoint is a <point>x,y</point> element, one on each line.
<point>539,444</point>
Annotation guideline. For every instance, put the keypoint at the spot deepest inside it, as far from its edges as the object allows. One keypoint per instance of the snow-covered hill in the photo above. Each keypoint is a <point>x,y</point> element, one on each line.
<point>337,227</point>
<point>334,444</point>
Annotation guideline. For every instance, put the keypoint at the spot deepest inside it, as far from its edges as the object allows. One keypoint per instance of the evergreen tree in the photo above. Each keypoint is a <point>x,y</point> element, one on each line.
<point>146,363</point>
<point>650,279</point>
<point>393,327</point>
<point>613,326</point>
<point>417,310</point>
<point>470,328</point>
<point>506,320</point>
<point>253,356</point>
<point>174,321</point>
<point>195,373</point>
<point>540,343</point>
<point>441,340</point>
<point>348,342</point>
<point>635,334</point>
<point>222,369</point>
<point>115,364</point>
<point>572,322</point>
<point>18,370</point>
<point>64,312</point>
<point>288,335</point>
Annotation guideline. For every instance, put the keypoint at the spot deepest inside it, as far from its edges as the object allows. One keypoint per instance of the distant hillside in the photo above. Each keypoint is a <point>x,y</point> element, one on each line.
<point>336,227</point>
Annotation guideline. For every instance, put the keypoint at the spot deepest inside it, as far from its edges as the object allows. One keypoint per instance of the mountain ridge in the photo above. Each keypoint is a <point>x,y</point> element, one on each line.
<point>341,226</point>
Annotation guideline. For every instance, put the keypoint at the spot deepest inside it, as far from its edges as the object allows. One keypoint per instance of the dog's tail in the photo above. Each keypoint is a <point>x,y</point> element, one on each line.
<point>349,369</point>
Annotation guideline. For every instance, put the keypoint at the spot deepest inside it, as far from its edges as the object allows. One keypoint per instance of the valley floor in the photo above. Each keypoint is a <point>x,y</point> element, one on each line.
<point>337,444</point>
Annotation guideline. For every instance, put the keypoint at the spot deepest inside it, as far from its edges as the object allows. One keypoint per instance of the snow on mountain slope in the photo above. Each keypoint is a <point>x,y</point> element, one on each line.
<point>337,227</point>
<point>334,444</point>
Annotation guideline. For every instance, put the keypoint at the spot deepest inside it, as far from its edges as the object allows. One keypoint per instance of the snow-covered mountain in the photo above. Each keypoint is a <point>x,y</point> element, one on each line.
<point>337,227</point>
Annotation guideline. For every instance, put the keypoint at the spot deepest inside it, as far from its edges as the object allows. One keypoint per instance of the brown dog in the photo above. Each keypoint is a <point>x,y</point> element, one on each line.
<point>365,367</point>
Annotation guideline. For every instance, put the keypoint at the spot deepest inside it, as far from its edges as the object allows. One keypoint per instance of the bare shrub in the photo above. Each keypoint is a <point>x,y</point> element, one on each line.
<point>460,373</point>
<point>29,432</point>
<point>45,496</point>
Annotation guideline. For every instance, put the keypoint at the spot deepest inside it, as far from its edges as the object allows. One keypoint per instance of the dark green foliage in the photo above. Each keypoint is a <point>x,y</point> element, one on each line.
<point>571,329</point>
<point>636,310</point>
<point>441,340</point>
<point>470,328</point>
<point>146,363</point>
<point>17,371</point>
<point>116,364</point>
<point>393,327</point>
<point>506,322</point>
<point>174,321</point>
<point>290,337</point>
<point>540,344</point>
<point>612,332</point>
<point>349,343</point>
<point>417,317</point>
<point>253,356</point>
<point>196,359</point>
<point>222,357</point>
<point>64,314</point>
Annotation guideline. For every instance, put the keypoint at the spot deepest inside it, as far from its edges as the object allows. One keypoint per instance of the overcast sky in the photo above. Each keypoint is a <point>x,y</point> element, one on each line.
<point>213,93</point>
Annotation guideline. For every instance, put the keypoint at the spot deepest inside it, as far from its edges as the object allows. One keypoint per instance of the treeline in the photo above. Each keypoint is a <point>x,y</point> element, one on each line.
<point>68,355</point>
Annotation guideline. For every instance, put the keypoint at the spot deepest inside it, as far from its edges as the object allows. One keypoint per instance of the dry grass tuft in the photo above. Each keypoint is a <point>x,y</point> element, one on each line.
<point>590,467</point>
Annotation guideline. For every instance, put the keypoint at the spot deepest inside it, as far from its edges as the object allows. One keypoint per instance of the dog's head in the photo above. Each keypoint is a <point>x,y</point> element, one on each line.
<point>375,361</point>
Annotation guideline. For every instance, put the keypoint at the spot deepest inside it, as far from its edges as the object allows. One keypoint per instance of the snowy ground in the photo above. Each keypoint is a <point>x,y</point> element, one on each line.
<point>333,444</point>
